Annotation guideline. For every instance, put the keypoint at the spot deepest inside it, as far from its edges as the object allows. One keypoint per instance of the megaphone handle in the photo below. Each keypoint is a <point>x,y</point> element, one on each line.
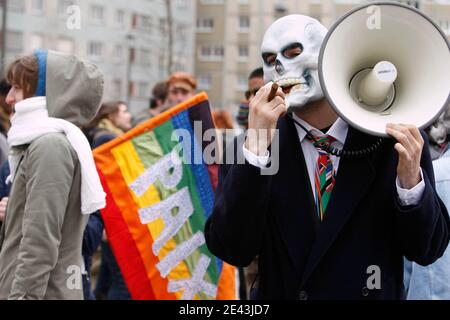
<point>349,154</point>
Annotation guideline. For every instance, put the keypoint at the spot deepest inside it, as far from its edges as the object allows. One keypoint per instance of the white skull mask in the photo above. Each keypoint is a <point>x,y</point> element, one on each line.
<point>290,51</point>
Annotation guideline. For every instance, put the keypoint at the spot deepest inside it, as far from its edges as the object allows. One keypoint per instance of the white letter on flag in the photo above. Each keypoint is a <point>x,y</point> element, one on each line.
<point>163,210</point>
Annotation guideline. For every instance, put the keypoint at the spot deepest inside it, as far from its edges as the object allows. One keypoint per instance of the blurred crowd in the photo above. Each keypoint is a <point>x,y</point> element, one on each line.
<point>114,119</point>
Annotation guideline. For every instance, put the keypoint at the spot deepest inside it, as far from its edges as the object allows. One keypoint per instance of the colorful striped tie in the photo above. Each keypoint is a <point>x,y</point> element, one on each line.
<point>324,177</point>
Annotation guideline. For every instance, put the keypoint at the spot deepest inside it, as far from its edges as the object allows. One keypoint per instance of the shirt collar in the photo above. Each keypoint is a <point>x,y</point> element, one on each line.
<point>338,130</point>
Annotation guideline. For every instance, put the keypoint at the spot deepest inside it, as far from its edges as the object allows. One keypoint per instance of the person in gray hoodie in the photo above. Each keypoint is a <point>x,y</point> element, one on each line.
<point>54,181</point>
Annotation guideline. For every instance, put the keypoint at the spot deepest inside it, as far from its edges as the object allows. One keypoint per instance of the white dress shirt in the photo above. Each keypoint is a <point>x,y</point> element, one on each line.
<point>338,131</point>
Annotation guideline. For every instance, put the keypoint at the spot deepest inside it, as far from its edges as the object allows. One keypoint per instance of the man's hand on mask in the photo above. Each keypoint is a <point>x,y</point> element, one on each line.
<point>263,118</point>
<point>409,148</point>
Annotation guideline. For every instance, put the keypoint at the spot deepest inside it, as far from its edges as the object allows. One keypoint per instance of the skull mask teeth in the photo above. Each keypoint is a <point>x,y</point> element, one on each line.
<point>290,51</point>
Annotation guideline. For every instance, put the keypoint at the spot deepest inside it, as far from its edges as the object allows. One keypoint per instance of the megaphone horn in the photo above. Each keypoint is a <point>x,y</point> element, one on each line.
<point>395,70</point>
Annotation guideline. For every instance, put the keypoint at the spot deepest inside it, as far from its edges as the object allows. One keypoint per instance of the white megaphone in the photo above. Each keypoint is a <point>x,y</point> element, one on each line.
<point>385,62</point>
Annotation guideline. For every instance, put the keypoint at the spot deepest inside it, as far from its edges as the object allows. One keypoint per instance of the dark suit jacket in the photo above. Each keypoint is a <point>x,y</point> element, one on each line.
<point>364,225</point>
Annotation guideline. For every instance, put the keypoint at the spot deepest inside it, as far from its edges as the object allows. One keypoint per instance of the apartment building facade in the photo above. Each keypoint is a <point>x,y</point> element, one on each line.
<point>127,39</point>
<point>229,35</point>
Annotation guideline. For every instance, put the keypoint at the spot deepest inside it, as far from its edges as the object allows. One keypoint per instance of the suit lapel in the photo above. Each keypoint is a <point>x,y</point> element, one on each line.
<point>352,182</point>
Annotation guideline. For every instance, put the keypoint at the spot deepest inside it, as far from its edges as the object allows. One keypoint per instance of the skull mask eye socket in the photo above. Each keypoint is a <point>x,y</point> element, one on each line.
<point>269,58</point>
<point>293,50</point>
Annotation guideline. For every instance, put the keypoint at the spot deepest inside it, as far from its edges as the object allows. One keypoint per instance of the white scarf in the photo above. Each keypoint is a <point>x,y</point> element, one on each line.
<point>30,122</point>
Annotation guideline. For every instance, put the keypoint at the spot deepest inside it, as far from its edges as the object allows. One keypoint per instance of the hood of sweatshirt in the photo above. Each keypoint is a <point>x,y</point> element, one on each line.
<point>73,87</point>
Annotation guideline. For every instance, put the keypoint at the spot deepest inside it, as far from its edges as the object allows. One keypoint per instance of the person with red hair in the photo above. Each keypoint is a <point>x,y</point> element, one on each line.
<point>181,86</point>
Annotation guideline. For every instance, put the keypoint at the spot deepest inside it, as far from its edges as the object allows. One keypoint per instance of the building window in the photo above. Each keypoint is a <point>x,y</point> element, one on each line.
<point>118,54</point>
<point>132,55</point>
<point>131,89</point>
<point>205,51</point>
<point>16,6</point>
<point>218,51</point>
<point>180,62</point>
<point>205,24</point>
<point>211,52</point>
<point>120,18</point>
<point>65,45</point>
<point>414,4</point>
<point>243,53</point>
<point>37,7</point>
<point>145,57</point>
<point>179,66</point>
<point>163,26</point>
<point>95,50</point>
<point>63,5</point>
<point>212,1</point>
<point>142,22</point>
<point>182,4</point>
<point>146,22</point>
<point>180,32</point>
<point>204,81</point>
<point>244,23</point>
<point>97,14</point>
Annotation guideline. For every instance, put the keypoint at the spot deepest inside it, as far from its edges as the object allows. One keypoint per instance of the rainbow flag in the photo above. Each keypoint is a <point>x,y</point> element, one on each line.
<point>158,200</point>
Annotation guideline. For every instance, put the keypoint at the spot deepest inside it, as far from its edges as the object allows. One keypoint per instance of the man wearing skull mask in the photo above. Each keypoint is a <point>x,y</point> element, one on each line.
<point>323,227</point>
